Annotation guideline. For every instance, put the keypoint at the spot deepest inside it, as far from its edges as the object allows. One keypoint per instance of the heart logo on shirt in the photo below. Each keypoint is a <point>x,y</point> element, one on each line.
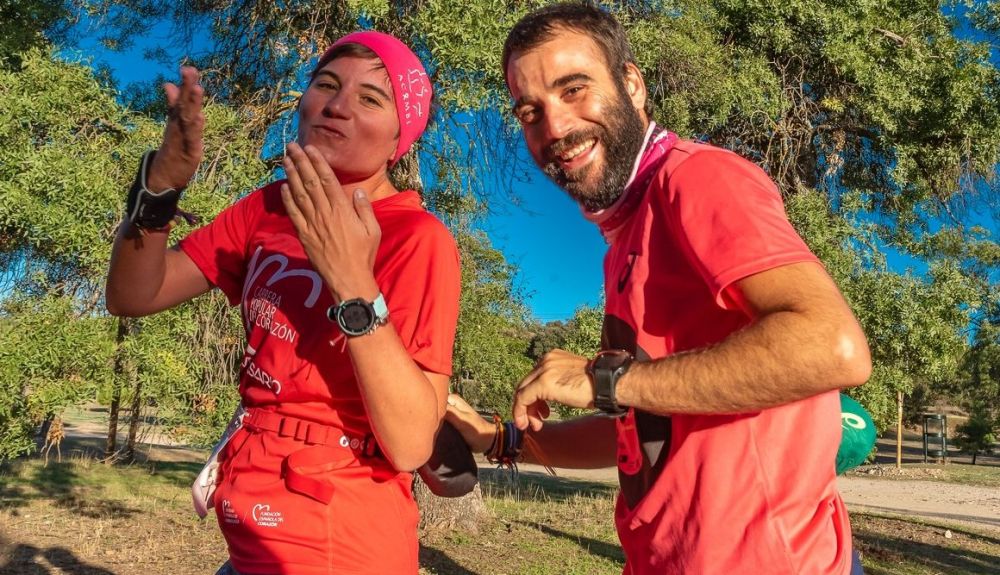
<point>259,509</point>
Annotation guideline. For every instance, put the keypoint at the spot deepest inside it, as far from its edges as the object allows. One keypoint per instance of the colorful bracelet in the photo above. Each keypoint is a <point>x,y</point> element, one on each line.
<point>507,443</point>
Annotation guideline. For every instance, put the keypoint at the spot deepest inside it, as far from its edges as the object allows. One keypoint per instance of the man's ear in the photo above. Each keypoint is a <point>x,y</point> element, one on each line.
<point>635,86</point>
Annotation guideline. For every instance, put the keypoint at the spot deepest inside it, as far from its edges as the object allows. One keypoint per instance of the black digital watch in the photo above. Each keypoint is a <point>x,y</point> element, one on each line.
<point>604,370</point>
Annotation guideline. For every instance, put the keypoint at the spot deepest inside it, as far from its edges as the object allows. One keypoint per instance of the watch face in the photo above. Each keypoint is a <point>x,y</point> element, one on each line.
<point>356,317</point>
<point>611,359</point>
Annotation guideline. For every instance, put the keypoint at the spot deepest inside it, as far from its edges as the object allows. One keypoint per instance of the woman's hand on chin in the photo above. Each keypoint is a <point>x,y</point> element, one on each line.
<point>338,230</point>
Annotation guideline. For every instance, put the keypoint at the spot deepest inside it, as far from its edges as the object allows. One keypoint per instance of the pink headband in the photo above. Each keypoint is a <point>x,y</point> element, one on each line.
<point>411,88</point>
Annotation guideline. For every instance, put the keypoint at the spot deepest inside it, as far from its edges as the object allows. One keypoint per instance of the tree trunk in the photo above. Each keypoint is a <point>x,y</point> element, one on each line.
<point>111,444</point>
<point>899,430</point>
<point>133,424</point>
<point>43,432</point>
<point>464,513</point>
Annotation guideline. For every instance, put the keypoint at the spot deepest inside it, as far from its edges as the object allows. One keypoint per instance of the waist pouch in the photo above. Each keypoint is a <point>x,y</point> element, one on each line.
<point>309,470</point>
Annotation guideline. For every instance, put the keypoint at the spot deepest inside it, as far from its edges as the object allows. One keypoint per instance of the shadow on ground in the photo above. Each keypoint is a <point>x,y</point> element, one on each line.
<point>592,546</point>
<point>939,558</point>
<point>60,483</point>
<point>542,487</point>
<point>30,560</point>
<point>439,562</point>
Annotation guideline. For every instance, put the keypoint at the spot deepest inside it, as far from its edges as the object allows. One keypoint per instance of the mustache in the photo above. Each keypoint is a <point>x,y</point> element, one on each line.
<point>570,141</point>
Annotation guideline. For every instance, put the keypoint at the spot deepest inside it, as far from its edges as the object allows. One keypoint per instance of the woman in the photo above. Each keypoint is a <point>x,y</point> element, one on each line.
<point>349,295</point>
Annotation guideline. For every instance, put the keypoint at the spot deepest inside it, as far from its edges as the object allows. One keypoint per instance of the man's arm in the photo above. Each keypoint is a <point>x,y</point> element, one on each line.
<point>803,341</point>
<point>582,443</point>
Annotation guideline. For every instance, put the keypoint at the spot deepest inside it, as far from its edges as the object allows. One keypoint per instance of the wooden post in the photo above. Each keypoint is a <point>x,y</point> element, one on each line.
<point>899,430</point>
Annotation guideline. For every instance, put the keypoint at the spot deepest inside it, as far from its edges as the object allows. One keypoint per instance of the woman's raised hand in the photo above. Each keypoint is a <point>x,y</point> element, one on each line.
<point>181,151</point>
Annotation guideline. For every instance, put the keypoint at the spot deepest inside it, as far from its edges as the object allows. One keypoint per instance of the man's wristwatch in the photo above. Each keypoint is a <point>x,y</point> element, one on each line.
<point>147,209</point>
<point>358,316</point>
<point>605,370</point>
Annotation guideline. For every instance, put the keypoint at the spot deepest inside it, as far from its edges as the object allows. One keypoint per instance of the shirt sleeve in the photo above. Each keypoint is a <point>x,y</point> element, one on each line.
<point>728,216</point>
<point>220,248</point>
<point>423,297</point>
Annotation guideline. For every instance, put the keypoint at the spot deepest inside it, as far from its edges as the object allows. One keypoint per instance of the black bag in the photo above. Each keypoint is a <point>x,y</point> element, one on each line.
<point>451,470</point>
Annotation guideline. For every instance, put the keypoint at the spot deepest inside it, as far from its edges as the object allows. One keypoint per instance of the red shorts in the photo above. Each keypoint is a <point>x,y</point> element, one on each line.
<point>343,514</point>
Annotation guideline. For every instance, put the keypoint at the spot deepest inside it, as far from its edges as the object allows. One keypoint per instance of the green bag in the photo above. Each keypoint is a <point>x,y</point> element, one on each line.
<point>858,437</point>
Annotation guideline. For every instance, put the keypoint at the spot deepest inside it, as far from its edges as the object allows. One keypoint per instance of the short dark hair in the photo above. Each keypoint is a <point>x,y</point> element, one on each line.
<point>541,25</point>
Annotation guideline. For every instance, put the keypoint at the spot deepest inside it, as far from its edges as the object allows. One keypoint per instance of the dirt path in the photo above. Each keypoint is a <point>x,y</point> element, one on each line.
<point>935,500</point>
<point>966,504</point>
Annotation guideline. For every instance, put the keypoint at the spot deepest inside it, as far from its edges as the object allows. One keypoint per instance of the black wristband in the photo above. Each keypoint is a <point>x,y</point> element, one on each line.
<point>146,209</point>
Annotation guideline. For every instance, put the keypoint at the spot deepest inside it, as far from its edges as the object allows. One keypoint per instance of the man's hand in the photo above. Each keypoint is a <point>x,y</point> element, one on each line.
<point>476,431</point>
<point>560,376</point>
<point>340,237</point>
<point>183,146</point>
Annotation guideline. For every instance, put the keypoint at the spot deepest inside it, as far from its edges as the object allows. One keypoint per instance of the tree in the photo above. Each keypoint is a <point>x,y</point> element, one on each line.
<point>878,119</point>
<point>978,434</point>
<point>62,184</point>
<point>492,340</point>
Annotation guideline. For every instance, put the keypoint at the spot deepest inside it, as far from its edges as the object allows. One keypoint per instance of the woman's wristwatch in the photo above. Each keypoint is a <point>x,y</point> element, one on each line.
<point>359,317</point>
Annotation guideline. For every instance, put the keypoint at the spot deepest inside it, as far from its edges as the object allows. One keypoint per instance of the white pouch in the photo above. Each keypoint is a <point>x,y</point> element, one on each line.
<point>203,488</point>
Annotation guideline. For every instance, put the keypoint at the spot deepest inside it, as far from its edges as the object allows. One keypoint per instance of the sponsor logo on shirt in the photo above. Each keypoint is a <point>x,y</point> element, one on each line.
<point>260,304</point>
<point>264,517</point>
<point>229,514</point>
<point>257,374</point>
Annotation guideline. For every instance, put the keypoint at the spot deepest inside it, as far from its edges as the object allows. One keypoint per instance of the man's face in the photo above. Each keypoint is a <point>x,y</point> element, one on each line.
<point>582,127</point>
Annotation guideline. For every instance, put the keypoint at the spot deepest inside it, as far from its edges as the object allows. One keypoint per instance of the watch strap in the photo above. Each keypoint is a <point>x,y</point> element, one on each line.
<point>145,208</point>
<point>381,310</point>
<point>605,378</point>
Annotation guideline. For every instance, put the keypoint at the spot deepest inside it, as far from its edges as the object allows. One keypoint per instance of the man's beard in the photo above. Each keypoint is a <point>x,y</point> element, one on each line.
<point>622,140</point>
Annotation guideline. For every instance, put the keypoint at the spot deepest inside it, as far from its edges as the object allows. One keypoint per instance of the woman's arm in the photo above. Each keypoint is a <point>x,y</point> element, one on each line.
<point>340,234</point>
<point>145,277</point>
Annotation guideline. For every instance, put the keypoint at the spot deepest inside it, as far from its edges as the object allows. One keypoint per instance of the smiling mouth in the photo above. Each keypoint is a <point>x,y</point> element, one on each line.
<point>568,155</point>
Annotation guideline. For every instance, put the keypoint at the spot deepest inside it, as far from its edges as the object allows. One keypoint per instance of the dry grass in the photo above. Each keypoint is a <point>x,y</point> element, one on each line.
<point>86,518</point>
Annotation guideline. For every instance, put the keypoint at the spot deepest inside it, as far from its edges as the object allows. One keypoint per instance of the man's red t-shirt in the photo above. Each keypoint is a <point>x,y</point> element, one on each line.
<point>751,493</point>
<point>297,364</point>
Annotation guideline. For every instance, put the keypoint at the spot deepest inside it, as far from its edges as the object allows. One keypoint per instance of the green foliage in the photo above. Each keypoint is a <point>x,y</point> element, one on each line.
<point>879,122</point>
<point>915,325</point>
<point>467,39</point>
<point>981,365</point>
<point>491,343</point>
<point>51,358</point>
<point>22,26</point>
<point>68,152</point>
<point>978,434</point>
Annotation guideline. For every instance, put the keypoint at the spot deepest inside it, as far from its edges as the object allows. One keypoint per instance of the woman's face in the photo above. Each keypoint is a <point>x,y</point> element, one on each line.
<point>348,113</point>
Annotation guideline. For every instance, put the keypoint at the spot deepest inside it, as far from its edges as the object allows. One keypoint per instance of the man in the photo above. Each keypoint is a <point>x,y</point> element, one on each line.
<point>735,340</point>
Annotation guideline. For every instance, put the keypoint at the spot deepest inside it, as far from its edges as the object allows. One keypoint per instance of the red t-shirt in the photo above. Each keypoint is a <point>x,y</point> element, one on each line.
<point>751,493</point>
<point>297,364</point>
<point>296,359</point>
